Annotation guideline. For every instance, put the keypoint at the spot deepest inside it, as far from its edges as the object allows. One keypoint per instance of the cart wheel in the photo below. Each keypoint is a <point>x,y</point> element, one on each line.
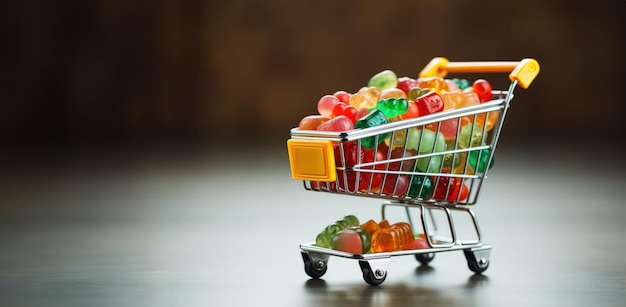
<point>476,264</point>
<point>425,259</point>
<point>371,276</point>
<point>314,268</point>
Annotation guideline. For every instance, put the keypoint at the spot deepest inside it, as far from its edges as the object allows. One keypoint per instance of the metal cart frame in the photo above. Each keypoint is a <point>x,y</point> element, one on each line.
<point>314,160</point>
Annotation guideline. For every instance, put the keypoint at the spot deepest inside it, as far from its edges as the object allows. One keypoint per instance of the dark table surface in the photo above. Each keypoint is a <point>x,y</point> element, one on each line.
<point>174,228</point>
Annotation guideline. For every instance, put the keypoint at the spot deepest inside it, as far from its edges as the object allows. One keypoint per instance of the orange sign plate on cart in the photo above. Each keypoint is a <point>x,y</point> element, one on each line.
<point>312,160</point>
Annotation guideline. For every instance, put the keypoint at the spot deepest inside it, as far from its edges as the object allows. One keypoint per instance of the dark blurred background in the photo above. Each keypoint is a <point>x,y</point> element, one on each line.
<point>138,73</point>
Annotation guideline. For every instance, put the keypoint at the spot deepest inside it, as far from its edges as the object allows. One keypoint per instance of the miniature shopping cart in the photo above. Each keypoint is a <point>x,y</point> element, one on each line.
<point>320,160</point>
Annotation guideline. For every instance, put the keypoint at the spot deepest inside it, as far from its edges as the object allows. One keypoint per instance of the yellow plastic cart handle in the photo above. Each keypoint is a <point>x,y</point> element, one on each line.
<point>523,71</point>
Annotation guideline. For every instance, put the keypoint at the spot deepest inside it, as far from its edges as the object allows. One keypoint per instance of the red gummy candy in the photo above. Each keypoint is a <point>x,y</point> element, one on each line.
<point>337,123</point>
<point>429,103</point>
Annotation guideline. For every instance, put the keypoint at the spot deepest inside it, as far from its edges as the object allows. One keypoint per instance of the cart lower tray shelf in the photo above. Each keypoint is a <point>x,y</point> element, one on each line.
<point>374,265</point>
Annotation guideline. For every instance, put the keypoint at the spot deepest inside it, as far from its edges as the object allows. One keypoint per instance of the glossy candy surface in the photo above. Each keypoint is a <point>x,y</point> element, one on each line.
<point>462,83</point>
<point>384,224</point>
<point>418,243</point>
<point>425,141</point>
<point>453,161</point>
<point>488,120</point>
<point>398,137</point>
<point>392,107</point>
<point>366,97</point>
<point>452,86</point>
<point>483,89</point>
<point>361,112</point>
<point>324,238</point>
<point>429,103</point>
<point>366,238</point>
<point>346,110</point>
<point>350,155</point>
<point>403,165</point>
<point>421,186</point>
<point>412,111</point>
<point>384,80</point>
<point>337,123</point>
<point>454,100</point>
<point>392,238</point>
<point>391,93</point>
<point>451,189</point>
<point>444,187</point>
<point>471,136</point>
<point>311,122</point>
<point>416,92</point>
<point>430,164</point>
<point>370,226</point>
<point>448,128</point>
<point>437,84</point>
<point>352,219</point>
<point>396,185</point>
<point>373,119</point>
<point>343,96</point>
<point>347,240</point>
<point>326,104</point>
<point>405,84</point>
<point>478,159</point>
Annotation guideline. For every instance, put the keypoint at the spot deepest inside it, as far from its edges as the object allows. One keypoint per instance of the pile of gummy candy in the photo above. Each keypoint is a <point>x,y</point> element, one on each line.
<point>351,236</point>
<point>396,98</point>
<point>387,98</point>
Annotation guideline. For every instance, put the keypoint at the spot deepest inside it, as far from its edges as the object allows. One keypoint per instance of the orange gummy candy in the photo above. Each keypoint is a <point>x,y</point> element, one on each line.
<point>392,238</point>
<point>384,224</point>
<point>370,226</point>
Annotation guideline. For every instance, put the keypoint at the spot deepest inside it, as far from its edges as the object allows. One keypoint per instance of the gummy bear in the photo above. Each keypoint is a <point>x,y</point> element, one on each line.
<point>393,107</point>
<point>366,97</point>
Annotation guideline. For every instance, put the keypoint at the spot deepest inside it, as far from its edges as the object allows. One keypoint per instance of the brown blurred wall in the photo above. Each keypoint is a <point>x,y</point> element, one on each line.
<point>178,72</point>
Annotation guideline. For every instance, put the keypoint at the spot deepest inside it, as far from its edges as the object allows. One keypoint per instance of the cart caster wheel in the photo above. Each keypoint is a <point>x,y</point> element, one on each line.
<point>477,261</point>
<point>315,268</point>
<point>371,275</point>
<point>425,259</point>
